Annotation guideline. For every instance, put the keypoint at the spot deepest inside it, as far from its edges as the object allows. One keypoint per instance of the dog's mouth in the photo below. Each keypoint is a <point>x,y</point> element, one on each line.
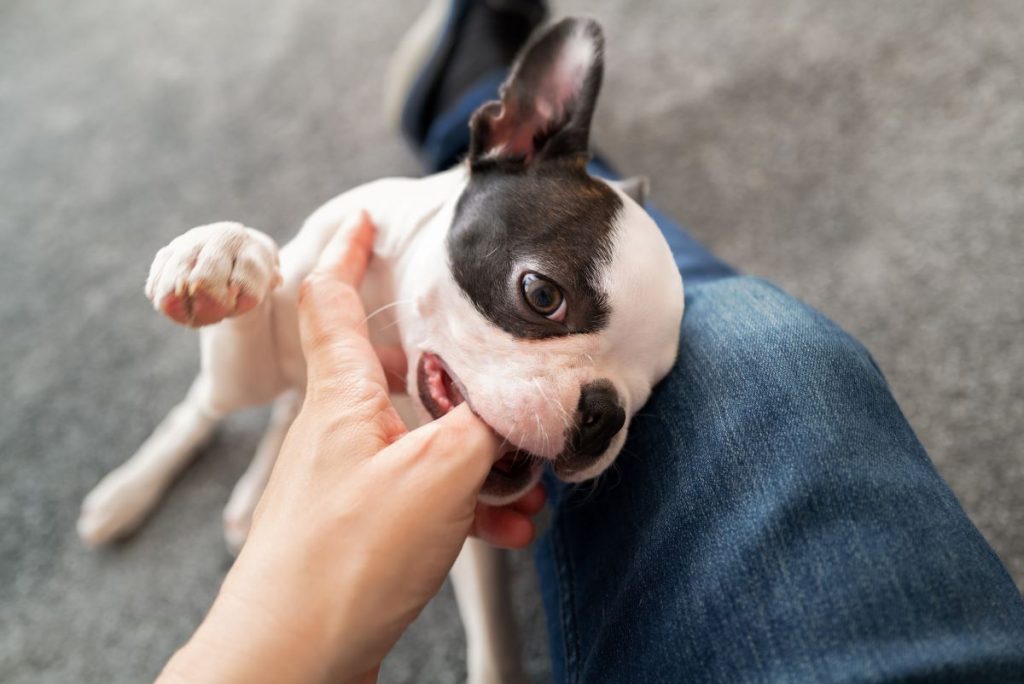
<point>440,391</point>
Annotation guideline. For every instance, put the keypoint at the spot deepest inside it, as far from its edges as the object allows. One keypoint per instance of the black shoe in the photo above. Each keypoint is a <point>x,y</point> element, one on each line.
<point>447,50</point>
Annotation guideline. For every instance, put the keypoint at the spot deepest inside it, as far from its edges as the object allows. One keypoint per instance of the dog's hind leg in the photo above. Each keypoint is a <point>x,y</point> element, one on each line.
<point>246,494</point>
<point>480,579</point>
<point>125,496</point>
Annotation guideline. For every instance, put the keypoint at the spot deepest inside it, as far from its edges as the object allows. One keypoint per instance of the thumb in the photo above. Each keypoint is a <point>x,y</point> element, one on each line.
<point>457,443</point>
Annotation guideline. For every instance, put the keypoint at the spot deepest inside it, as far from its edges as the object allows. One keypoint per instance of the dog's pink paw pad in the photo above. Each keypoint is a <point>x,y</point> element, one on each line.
<point>213,272</point>
<point>207,310</point>
<point>175,307</point>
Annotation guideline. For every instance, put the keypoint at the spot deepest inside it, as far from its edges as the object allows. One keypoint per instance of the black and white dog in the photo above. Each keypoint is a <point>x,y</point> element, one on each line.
<point>544,297</point>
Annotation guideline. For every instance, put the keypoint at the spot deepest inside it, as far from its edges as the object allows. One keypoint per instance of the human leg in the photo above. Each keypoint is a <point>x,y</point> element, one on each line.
<point>773,518</point>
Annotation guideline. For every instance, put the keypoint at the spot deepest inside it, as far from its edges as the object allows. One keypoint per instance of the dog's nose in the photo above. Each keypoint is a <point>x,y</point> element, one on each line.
<point>600,417</point>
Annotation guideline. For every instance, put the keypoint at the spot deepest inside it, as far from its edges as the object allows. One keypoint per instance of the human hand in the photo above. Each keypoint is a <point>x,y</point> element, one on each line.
<point>361,520</point>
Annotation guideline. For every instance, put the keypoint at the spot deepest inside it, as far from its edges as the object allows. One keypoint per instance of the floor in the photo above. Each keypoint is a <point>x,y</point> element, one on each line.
<point>866,156</point>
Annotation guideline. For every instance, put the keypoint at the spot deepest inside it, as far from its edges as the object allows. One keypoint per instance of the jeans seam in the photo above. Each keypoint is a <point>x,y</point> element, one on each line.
<point>570,636</point>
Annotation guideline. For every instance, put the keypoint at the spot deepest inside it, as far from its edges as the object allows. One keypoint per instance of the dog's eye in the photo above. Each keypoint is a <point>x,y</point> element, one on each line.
<point>544,297</point>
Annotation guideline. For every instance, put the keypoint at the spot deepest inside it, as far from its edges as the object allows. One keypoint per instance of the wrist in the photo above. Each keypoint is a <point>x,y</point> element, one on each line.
<point>260,629</point>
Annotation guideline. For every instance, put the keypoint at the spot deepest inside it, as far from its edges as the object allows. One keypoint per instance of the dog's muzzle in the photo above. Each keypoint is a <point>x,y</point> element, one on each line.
<point>599,417</point>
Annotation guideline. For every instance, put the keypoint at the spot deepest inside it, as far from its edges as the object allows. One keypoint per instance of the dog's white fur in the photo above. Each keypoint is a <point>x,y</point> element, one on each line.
<point>255,358</point>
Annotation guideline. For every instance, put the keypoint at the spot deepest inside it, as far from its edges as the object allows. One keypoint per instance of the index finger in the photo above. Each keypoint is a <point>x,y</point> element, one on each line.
<point>329,303</point>
<point>465,445</point>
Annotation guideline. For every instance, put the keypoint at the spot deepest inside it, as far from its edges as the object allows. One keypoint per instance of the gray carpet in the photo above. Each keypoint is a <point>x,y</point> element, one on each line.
<point>869,157</point>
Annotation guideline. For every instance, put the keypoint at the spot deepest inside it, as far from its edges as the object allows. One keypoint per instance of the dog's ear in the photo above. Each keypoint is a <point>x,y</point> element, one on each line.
<point>548,100</point>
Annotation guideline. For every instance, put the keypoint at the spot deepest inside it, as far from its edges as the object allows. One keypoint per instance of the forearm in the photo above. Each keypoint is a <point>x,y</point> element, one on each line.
<point>272,622</point>
<point>240,642</point>
<point>294,607</point>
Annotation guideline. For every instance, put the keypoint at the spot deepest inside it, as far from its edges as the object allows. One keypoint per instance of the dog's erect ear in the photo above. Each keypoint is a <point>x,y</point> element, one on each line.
<point>548,100</point>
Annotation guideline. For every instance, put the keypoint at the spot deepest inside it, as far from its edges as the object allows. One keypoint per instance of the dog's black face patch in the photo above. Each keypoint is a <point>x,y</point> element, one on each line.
<point>552,219</point>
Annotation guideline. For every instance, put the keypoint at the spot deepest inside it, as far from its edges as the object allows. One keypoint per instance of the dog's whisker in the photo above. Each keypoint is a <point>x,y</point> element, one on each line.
<point>388,326</point>
<point>501,446</point>
<point>589,489</point>
<point>541,430</point>
<point>569,423</point>
<point>381,309</point>
<point>572,429</point>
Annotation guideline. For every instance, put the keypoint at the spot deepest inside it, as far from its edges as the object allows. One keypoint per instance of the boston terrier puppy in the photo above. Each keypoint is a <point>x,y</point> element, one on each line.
<point>544,297</point>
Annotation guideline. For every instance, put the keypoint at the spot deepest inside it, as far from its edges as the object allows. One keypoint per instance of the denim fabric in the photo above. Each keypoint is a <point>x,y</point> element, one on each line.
<point>447,139</point>
<point>413,113</point>
<point>772,517</point>
<point>692,258</point>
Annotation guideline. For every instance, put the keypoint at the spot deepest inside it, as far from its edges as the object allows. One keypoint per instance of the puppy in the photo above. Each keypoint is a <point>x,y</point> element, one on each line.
<point>544,297</point>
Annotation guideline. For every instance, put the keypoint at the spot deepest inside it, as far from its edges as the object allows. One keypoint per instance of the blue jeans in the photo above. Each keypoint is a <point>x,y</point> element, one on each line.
<point>772,516</point>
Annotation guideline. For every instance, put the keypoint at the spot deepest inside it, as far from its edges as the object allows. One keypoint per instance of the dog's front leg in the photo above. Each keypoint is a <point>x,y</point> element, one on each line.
<point>480,579</point>
<point>220,277</point>
<point>209,274</point>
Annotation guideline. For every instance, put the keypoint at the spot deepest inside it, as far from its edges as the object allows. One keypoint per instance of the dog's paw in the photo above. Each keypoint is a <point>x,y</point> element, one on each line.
<point>115,507</point>
<point>213,272</point>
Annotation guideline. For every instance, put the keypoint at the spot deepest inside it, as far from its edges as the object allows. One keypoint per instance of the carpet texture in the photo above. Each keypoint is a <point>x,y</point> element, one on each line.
<point>868,157</point>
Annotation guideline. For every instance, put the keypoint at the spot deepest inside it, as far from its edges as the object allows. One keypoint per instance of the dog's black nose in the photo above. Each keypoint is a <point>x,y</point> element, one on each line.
<point>600,417</point>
